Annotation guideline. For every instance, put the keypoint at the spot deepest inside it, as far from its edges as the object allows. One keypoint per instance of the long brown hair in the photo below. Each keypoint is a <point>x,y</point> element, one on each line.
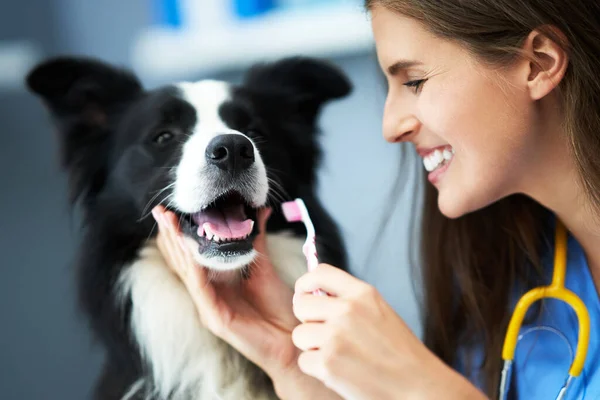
<point>470,265</point>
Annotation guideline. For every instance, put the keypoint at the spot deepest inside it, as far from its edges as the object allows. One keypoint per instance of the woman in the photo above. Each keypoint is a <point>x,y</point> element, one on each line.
<point>508,93</point>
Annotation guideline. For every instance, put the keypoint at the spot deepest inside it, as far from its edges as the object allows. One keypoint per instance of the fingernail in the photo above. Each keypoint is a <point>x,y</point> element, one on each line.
<point>294,299</point>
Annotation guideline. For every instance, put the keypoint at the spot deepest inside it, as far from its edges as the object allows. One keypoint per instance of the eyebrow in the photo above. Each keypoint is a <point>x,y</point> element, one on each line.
<point>400,65</point>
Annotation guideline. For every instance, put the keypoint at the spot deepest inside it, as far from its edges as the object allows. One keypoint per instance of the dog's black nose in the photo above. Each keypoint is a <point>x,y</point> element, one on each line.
<point>230,152</point>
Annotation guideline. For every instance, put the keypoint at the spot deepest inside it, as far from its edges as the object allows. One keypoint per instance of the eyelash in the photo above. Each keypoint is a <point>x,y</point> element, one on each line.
<point>417,84</point>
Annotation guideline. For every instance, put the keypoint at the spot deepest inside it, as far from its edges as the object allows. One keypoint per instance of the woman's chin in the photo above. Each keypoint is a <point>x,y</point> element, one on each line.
<point>456,203</point>
<point>452,205</point>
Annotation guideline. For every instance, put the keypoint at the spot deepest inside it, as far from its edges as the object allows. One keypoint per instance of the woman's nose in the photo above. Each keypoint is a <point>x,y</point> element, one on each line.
<point>400,128</point>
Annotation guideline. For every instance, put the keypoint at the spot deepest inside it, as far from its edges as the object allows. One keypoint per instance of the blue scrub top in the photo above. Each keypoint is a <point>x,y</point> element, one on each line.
<point>546,346</point>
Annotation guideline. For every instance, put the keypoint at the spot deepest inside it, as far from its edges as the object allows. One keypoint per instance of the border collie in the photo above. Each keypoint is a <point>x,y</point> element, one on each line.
<point>211,151</point>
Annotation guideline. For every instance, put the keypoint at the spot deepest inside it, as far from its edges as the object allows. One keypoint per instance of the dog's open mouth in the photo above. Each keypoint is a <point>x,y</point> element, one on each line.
<point>225,227</point>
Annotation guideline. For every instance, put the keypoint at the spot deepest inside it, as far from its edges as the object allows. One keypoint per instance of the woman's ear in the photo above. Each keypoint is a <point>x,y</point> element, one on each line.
<point>548,61</point>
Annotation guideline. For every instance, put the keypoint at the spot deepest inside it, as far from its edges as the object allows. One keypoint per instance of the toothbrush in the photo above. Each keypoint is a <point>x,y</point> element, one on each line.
<point>295,211</point>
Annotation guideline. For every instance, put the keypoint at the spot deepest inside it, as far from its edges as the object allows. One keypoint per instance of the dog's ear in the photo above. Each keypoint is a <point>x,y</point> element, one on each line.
<point>309,82</point>
<point>82,88</point>
<point>83,95</point>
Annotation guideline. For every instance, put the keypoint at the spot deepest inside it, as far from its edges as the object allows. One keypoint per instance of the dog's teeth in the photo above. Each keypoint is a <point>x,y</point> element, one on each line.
<point>207,231</point>
<point>216,238</point>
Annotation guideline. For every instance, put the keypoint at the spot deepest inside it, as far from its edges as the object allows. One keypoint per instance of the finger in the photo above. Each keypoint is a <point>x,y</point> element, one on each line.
<point>166,249</point>
<point>262,267</point>
<point>311,308</point>
<point>311,363</point>
<point>310,336</point>
<point>332,280</point>
<point>170,242</point>
<point>193,275</point>
<point>164,238</point>
<point>262,217</point>
<point>173,246</point>
<point>171,222</point>
<point>167,223</point>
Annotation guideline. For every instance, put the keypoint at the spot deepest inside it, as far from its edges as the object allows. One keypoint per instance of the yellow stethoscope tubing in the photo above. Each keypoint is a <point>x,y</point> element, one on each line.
<point>558,291</point>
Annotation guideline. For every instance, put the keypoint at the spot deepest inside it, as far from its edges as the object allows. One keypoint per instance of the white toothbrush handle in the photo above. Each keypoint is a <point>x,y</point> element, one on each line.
<point>310,251</point>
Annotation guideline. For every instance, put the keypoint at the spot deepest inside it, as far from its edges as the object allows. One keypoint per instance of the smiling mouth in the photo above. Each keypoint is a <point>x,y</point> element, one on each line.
<point>223,228</point>
<point>438,158</point>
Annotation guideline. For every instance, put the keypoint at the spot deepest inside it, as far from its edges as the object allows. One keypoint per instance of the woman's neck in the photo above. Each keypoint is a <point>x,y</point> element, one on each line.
<point>564,195</point>
<point>581,221</point>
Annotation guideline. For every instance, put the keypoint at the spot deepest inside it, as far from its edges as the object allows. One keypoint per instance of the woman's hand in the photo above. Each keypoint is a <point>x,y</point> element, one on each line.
<point>356,344</point>
<point>255,315</point>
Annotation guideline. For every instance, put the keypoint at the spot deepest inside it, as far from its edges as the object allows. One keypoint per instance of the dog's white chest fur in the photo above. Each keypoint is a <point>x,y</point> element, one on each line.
<point>187,361</point>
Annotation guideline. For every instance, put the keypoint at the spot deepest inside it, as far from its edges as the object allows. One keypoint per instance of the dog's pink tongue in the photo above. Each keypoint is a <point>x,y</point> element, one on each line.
<point>227,223</point>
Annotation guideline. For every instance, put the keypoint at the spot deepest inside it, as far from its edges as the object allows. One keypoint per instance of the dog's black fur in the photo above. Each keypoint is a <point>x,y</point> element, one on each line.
<point>119,146</point>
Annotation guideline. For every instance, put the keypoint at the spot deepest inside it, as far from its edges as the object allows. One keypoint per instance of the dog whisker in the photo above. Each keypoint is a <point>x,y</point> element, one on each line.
<point>145,210</point>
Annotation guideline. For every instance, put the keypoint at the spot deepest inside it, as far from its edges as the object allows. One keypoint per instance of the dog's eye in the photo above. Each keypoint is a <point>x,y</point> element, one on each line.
<point>163,137</point>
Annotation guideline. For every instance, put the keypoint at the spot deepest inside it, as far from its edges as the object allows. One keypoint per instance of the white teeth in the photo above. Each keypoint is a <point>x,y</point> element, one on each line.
<point>251,227</point>
<point>427,163</point>
<point>437,158</point>
<point>207,231</point>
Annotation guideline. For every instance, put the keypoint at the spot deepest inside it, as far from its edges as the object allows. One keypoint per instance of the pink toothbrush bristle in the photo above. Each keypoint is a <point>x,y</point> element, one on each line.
<point>291,211</point>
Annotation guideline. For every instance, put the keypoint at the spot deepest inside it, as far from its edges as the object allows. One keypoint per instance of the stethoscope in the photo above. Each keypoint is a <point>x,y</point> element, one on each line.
<point>557,291</point>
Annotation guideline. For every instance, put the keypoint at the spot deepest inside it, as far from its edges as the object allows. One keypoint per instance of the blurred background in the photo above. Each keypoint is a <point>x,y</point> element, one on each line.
<point>45,350</point>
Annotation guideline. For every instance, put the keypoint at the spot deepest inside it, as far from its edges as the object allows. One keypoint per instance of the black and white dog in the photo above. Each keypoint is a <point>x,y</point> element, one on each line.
<point>212,152</point>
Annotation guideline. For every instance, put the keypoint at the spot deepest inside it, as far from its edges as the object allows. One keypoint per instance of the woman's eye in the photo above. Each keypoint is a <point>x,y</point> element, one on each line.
<point>417,84</point>
<point>163,137</point>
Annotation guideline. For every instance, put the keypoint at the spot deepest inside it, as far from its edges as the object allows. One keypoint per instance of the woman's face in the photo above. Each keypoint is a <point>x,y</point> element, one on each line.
<point>474,127</point>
